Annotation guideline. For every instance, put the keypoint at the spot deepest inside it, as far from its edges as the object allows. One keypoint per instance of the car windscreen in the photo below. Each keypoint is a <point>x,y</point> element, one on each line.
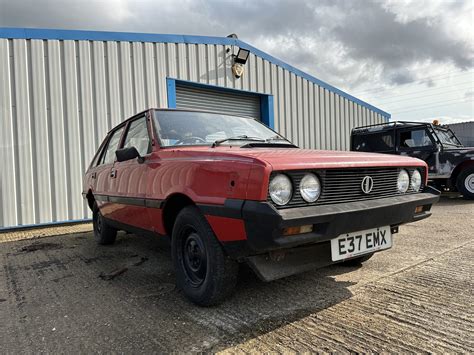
<point>177,128</point>
<point>447,137</point>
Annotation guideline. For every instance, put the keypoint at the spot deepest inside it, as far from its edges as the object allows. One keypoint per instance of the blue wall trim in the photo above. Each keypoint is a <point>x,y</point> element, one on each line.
<point>171,90</point>
<point>36,33</point>
<point>266,100</point>
<point>266,108</point>
<point>31,33</point>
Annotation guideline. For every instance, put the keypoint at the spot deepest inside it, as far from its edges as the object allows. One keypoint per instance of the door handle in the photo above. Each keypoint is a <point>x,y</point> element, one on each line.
<point>94,175</point>
<point>113,174</point>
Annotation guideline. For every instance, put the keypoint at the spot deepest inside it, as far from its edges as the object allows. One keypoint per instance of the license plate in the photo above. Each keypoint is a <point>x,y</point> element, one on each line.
<point>358,243</point>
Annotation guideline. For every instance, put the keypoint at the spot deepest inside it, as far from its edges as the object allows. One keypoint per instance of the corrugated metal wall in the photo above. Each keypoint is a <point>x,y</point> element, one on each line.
<point>465,132</point>
<point>59,98</point>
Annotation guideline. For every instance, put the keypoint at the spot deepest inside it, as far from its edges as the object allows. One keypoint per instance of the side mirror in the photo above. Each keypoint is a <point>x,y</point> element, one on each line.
<point>128,154</point>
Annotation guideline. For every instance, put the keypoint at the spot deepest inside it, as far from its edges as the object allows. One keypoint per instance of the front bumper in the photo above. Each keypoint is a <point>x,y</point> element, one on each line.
<point>264,224</point>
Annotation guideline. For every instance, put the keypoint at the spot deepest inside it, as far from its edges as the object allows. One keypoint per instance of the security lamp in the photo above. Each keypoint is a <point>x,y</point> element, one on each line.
<point>239,61</point>
<point>242,56</point>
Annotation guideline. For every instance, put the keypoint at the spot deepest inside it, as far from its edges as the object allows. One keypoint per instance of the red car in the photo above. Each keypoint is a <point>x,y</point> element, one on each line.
<point>229,190</point>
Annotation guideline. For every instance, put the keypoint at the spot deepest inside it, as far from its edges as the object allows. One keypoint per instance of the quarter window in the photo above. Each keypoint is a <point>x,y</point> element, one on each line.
<point>114,141</point>
<point>137,136</point>
<point>99,154</point>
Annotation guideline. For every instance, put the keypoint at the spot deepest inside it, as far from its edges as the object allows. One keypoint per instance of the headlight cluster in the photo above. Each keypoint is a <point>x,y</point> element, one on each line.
<point>310,188</point>
<point>404,181</point>
<point>281,188</point>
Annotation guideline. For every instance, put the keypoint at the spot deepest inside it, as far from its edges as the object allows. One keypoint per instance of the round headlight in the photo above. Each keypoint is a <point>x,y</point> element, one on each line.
<point>280,189</point>
<point>310,188</point>
<point>416,180</point>
<point>403,181</point>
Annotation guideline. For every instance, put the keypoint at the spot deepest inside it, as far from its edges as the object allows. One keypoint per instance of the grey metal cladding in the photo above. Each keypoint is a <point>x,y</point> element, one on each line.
<point>58,99</point>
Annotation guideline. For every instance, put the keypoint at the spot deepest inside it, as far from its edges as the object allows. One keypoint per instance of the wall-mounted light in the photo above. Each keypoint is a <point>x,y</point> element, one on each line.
<point>242,56</point>
<point>239,61</point>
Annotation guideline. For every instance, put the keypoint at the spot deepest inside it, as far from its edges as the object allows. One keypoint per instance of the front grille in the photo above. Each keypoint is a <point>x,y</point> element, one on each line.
<point>344,185</point>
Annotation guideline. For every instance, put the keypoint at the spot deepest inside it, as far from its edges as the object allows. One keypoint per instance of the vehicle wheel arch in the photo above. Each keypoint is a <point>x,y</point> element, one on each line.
<point>171,208</point>
<point>459,168</point>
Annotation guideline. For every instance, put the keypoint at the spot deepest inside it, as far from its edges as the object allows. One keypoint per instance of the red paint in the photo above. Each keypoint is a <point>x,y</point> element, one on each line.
<point>204,175</point>
<point>227,229</point>
<point>155,216</point>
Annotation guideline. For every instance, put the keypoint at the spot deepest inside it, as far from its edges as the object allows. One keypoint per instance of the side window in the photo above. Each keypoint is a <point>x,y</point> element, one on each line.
<point>114,141</point>
<point>374,142</point>
<point>98,155</point>
<point>137,136</point>
<point>415,139</point>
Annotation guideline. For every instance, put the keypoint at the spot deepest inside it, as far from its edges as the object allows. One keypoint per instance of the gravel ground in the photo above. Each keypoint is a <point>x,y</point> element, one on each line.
<point>65,294</point>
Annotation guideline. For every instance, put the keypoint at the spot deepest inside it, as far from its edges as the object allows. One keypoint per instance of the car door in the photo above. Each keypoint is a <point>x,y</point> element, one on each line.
<point>104,188</point>
<point>418,143</point>
<point>90,177</point>
<point>128,178</point>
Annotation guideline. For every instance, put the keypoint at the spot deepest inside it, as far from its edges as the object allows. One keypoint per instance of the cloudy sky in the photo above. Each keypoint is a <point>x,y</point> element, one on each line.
<point>414,59</point>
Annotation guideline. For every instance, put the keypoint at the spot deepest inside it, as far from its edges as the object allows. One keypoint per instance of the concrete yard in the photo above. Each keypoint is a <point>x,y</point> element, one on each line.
<point>65,294</point>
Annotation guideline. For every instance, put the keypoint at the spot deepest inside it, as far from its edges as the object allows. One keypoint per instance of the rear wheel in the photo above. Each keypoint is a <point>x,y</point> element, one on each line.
<point>357,261</point>
<point>103,233</point>
<point>465,183</point>
<point>203,272</point>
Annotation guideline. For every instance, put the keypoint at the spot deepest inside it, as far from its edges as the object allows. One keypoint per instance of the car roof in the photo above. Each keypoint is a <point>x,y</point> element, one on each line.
<point>380,127</point>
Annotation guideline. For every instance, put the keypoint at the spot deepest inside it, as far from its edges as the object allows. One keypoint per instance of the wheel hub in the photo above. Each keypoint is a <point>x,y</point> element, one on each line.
<point>98,223</point>
<point>469,183</point>
<point>194,258</point>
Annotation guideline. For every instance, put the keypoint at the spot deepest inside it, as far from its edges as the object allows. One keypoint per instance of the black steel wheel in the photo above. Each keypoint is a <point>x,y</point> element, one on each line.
<point>203,272</point>
<point>103,233</point>
<point>194,258</point>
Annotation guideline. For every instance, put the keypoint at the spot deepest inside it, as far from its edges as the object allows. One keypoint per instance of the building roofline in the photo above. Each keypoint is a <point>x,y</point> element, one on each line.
<point>77,35</point>
<point>464,122</point>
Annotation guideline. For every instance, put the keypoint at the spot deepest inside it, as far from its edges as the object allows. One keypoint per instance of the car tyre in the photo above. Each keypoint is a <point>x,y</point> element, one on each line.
<point>203,272</point>
<point>357,261</point>
<point>104,234</point>
<point>465,183</point>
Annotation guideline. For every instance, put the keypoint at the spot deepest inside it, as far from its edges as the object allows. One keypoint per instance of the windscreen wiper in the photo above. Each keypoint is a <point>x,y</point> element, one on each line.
<point>277,138</point>
<point>237,138</point>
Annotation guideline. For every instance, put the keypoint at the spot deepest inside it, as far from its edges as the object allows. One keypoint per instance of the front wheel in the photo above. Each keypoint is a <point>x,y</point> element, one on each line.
<point>203,272</point>
<point>465,183</point>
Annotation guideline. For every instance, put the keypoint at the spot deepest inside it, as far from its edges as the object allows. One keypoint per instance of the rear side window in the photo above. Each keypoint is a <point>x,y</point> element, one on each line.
<point>137,136</point>
<point>415,139</point>
<point>98,154</point>
<point>376,142</point>
<point>112,146</point>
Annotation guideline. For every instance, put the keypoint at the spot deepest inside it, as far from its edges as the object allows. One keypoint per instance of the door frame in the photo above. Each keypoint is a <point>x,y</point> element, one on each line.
<point>266,100</point>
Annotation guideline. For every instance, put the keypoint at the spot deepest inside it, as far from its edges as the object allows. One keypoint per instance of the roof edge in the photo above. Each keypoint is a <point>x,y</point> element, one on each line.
<point>58,34</point>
